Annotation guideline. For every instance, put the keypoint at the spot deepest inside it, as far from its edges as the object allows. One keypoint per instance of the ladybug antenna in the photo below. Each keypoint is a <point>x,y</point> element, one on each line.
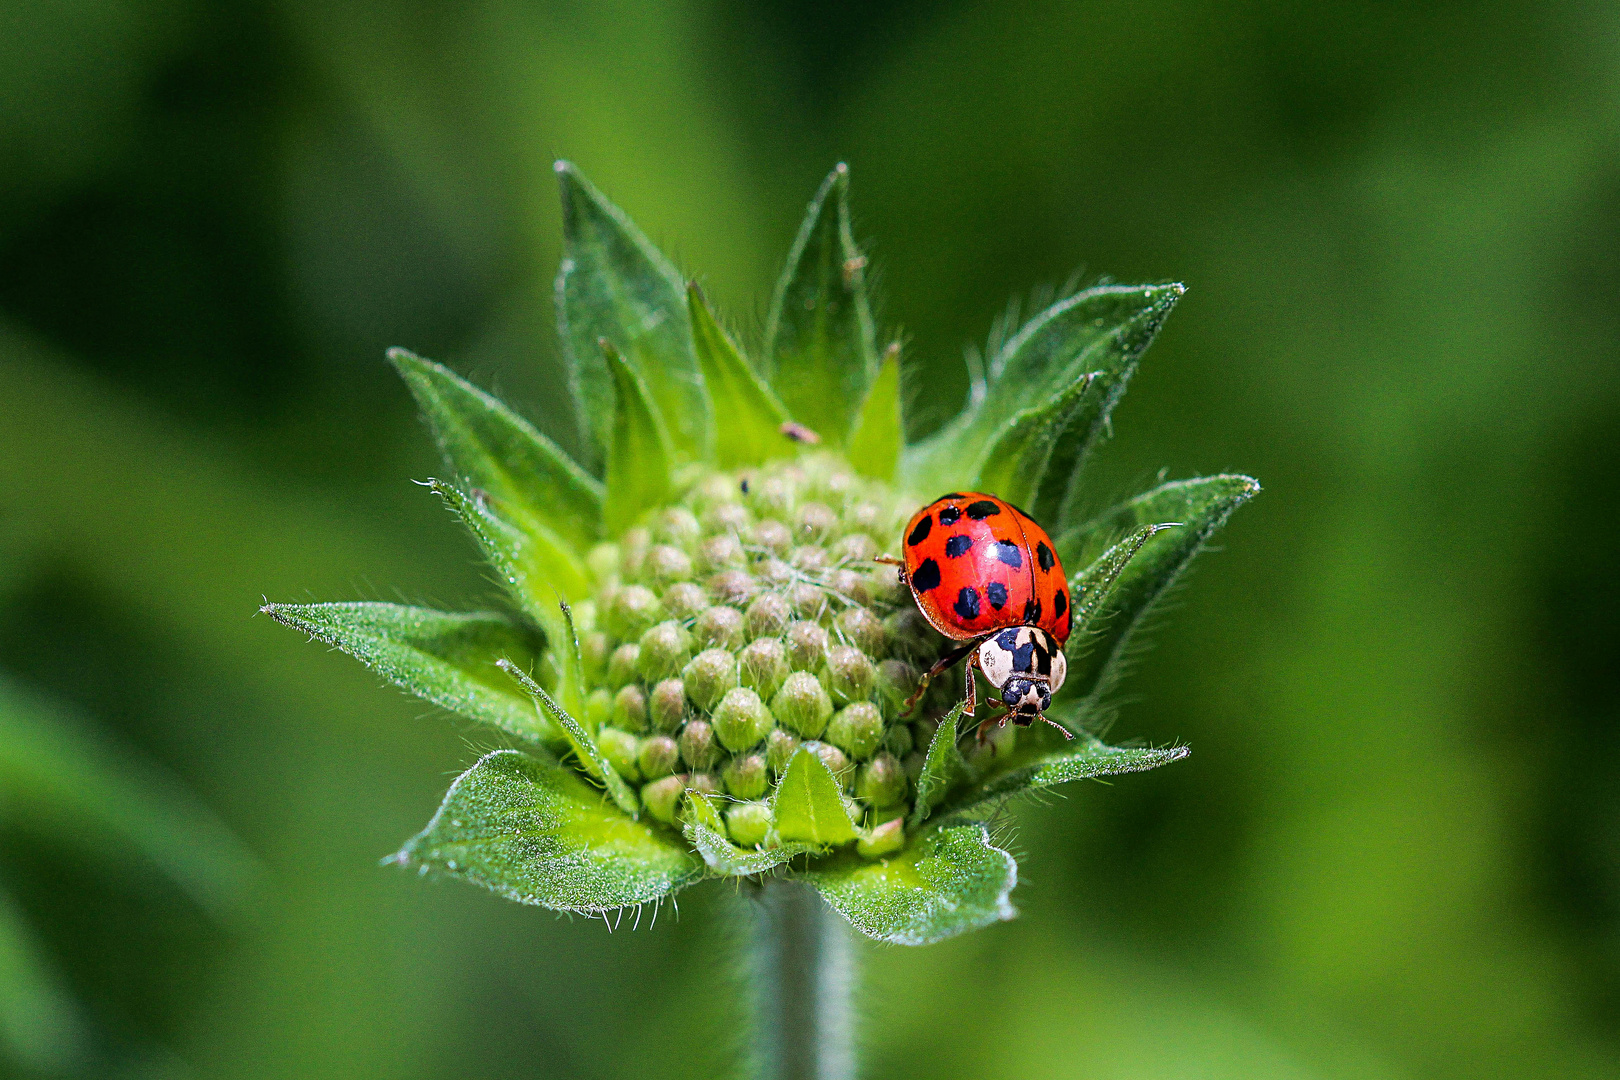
<point>1067,734</point>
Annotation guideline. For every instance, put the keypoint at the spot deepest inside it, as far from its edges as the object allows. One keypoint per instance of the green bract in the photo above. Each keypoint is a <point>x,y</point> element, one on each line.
<point>702,662</point>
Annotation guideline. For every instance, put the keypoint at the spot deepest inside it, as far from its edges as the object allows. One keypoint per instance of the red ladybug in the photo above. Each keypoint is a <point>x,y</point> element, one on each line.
<point>984,573</point>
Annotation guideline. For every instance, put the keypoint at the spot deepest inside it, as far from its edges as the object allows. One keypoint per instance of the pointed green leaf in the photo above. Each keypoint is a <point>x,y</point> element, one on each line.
<point>590,755</point>
<point>942,768</point>
<point>493,449</point>
<point>614,284</point>
<point>1093,586</point>
<point>1017,465</point>
<point>748,418</point>
<point>1042,758</point>
<point>1103,330</point>
<point>638,458</point>
<point>537,576</point>
<point>819,340</point>
<point>809,805</point>
<point>533,831</point>
<point>946,882</point>
<point>40,1028</point>
<point>448,659</point>
<point>702,828</point>
<point>1201,505</point>
<point>875,444</point>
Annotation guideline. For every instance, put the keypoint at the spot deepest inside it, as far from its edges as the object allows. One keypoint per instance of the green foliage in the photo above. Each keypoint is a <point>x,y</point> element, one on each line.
<point>942,769</point>
<point>705,831</point>
<point>874,444</point>
<point>748,417</point>
<point>638,458</point>
<point>809,803</point>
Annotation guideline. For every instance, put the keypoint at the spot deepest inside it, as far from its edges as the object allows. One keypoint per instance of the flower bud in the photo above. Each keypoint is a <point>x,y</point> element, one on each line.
<point>685,601</point>
<point>764,666</point>
<point>656,756</point>
<point>633,610</point>
<point>719,628</point>
<point>808,558</point>
<point>862,628</point>
<point>697,744</point>
<point>856,547</point>
<point>850,674</point>
<point>662,796</point>
<point>728,519</point>
<point>667,705</point>
<point>741,720</point>
<point>603,561</point>
<point>857,730</point>
<point>809,601</point>
<point>630,708</point>
<point>710,675</point>
<point>749,823</point>
<point>665,649</point>
<point>702,784</point>
<point>852,585</point>
<point>774,573</point>
<point>886,839</point>
<point>910,633</point>
<point>802,705</point>
<point>896,681</point>
<point>767,616</point>
<point>619,747</point>
<point>806,646</point>
<point>816,520</point>
<point>733,587</point>
<point>598,708</point>
<point>633,547</point>
<point>867,517</point>
<point>914,762</point>
<point>623,663</point>
<point>594,652</point>
<point>677,527</point>
<point>715,490</point>
<point>745,776</point>
<point>773,536</point>
<point>666,563</point>
<point>773,494</point>
<point>882,781</point>
<point>836,761</point>
<point>779,749</point>
<point>721,552</point>
<point>899,741</point>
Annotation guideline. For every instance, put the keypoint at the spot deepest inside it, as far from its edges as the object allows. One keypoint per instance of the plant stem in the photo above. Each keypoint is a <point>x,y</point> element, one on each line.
<point>804,979</point>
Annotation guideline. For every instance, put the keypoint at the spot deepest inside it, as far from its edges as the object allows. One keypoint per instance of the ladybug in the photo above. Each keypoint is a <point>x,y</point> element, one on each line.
<point>984,573</point>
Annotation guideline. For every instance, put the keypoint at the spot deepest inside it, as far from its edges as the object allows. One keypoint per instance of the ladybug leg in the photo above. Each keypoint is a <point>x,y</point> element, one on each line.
<point>970,702</point>
<point>940,665</point>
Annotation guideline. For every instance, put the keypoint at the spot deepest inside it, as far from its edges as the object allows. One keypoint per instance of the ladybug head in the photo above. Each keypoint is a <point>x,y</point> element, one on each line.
<point>1026,665</point>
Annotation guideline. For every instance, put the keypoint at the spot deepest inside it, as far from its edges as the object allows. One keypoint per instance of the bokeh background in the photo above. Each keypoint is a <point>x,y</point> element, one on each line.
<point>1395,851</point>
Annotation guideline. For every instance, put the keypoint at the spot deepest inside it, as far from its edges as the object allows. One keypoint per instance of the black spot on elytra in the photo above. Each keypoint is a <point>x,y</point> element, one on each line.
<point>948,495</point>
<point>982,509</point>
<point>1060,604</point>
<point>997,593</point>
<point>957,546</point>
<point>926,577</point>
<point>1008,552</point>
<point>920,533</point>
<point>949,515</point>
<point>1032,611</point>
<point>967,603</point>
<point>1044,556</point>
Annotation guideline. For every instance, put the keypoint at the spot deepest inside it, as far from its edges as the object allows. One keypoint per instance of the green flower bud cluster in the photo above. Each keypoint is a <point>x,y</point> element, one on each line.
<point>747,620</point>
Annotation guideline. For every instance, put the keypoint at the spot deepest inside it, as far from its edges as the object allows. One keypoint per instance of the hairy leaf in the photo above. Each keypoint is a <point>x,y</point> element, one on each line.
<point>702,828</point>
<point>590,755</point>
<point>615,284</point>
<point>1018,465</point>
<point>1201,505</point>
<point>809,805</point>
<point>533,831</point>
<point>1093,586</point>
<point>448,659</point>
<point>1042,758</point>
<point>493,449</point>
<point>638,458</point>
<point>942,768</point>
<point>819,340</point>
<point>748,418</point>
<point>879,435</point>
<point>946,882</point>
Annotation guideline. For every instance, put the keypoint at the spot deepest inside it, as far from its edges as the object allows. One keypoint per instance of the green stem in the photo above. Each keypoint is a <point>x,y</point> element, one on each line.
<point>804,979</point>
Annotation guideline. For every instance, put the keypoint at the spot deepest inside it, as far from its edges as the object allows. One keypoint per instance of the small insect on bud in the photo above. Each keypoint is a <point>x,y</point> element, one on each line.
<point>709,676</point>
<point>806,646</point>
<point>799,433</point>
<point>619,747</point>
<point>662,796</point>
<point>749,823</point>
<point>850,674</point>
<point>768,616</point>
<point>886,839</point>
<point>630,708</point>
<point>666,563</point>
<point>733,587</point>
<point>745,776</point>
<point>862,628</point>
<point>698,747</point>
<point>723,552</point>
<point>665,649</point>
<point>719,628</point>
<point>741,720</point>
<point>623,663</point>
<point>764,665</point>
<point>667,705</point>
<point>857,730</point>
<point>657,755</point>
<point>802,705</point>
<point>685,601</point>
<point>779,749</point>
<point>633,610</point>
<point>882,781</point>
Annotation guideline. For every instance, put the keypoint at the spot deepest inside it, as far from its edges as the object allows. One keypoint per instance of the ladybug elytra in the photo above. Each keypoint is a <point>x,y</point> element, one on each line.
<point>984,573</point>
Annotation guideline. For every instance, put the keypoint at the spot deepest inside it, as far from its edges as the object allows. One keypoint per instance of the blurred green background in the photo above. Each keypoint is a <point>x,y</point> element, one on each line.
<point>1395,851</point>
